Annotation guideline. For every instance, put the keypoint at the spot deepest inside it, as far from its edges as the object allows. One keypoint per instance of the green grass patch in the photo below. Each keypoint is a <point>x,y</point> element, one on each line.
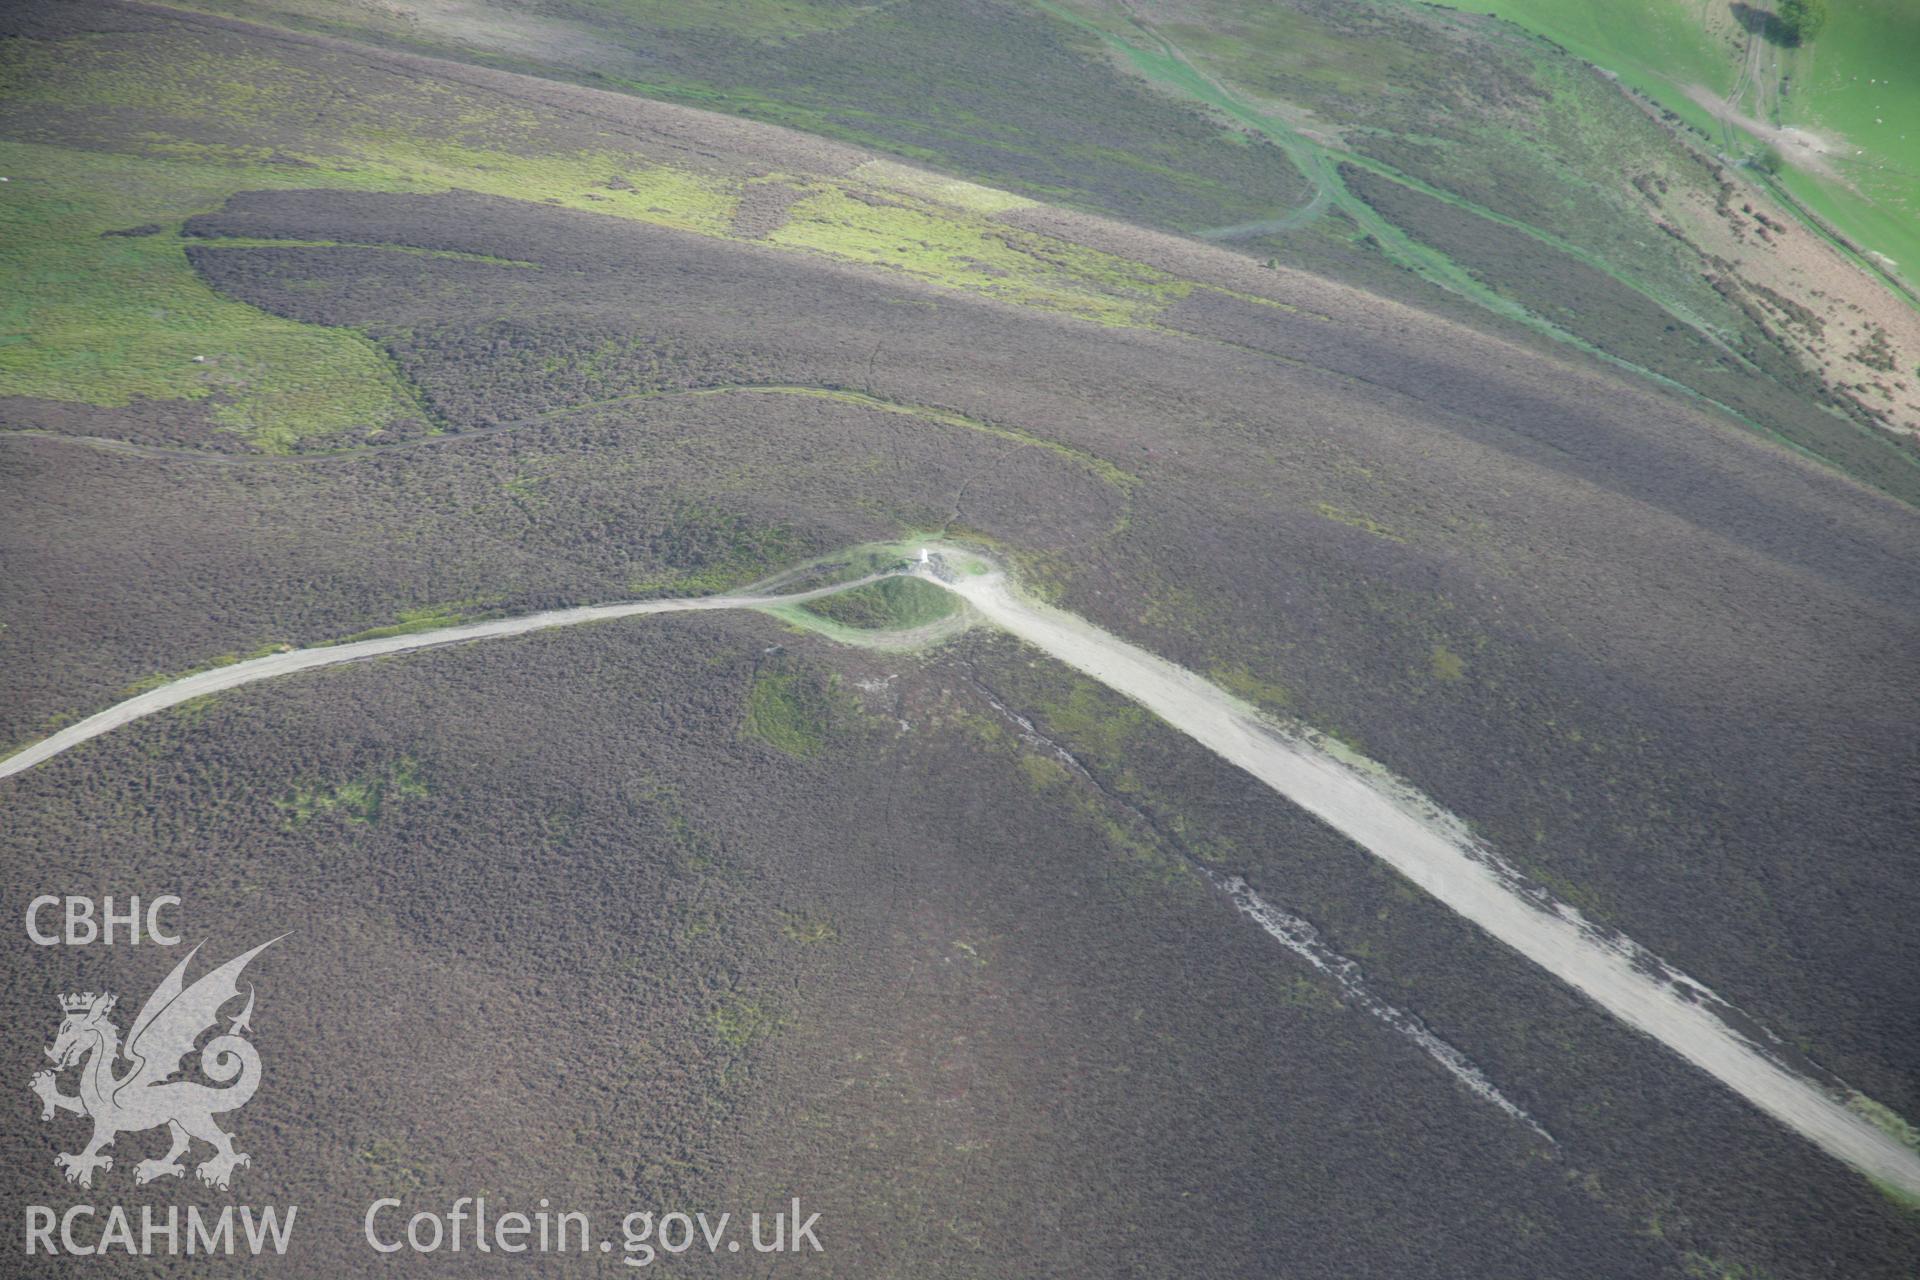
<point>960,250</point>
<point>1098,724</point>
<point>160,678</point>
<point>798,926</point>
<point>1355,520</point>
<point>787,712</point>
<point>1043,772</point>
<point>1885,1119</point>
<point>891,604</point>
<point>109,320</point>
<point>939,188</point>
<point>1240,680</point>
<point>391,1165</point>
<point>430,617</point>
<point>360,800</point>
<point>1898,1194</point>
<point>1446,666</point>
<point>803,619</point>
<point>739,1022</point>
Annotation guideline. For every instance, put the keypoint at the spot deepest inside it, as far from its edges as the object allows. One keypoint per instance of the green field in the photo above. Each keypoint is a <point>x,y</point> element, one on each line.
<point>1652,45</point>
<point>1861,82</point>
<point>1856,85</point>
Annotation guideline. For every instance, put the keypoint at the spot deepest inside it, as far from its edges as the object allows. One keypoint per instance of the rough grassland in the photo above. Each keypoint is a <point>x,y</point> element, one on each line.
<point>109,319</point>
<point>1229,120</point>
<point>1404,502</point>
<point>897,603</point>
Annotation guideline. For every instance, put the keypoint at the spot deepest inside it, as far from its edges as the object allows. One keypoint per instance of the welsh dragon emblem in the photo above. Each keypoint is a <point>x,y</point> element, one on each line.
<point>146,1095</point>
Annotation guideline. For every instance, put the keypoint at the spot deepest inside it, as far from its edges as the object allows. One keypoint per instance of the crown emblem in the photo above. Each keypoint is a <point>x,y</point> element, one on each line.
<point>84,1001</point>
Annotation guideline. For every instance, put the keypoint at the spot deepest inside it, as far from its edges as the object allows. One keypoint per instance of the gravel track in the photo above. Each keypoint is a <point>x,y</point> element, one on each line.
<point>1430,848</point>
<point>220,679</point>
<point>1382,815</point>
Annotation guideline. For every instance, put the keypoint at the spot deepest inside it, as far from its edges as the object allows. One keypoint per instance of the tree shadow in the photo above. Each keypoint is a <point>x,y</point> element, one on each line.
<point>1759,22</point>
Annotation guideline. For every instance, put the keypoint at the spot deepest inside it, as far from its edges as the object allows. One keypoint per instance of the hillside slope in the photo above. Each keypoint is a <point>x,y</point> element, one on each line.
<point>477,343</point>
<point>1433,156</point>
